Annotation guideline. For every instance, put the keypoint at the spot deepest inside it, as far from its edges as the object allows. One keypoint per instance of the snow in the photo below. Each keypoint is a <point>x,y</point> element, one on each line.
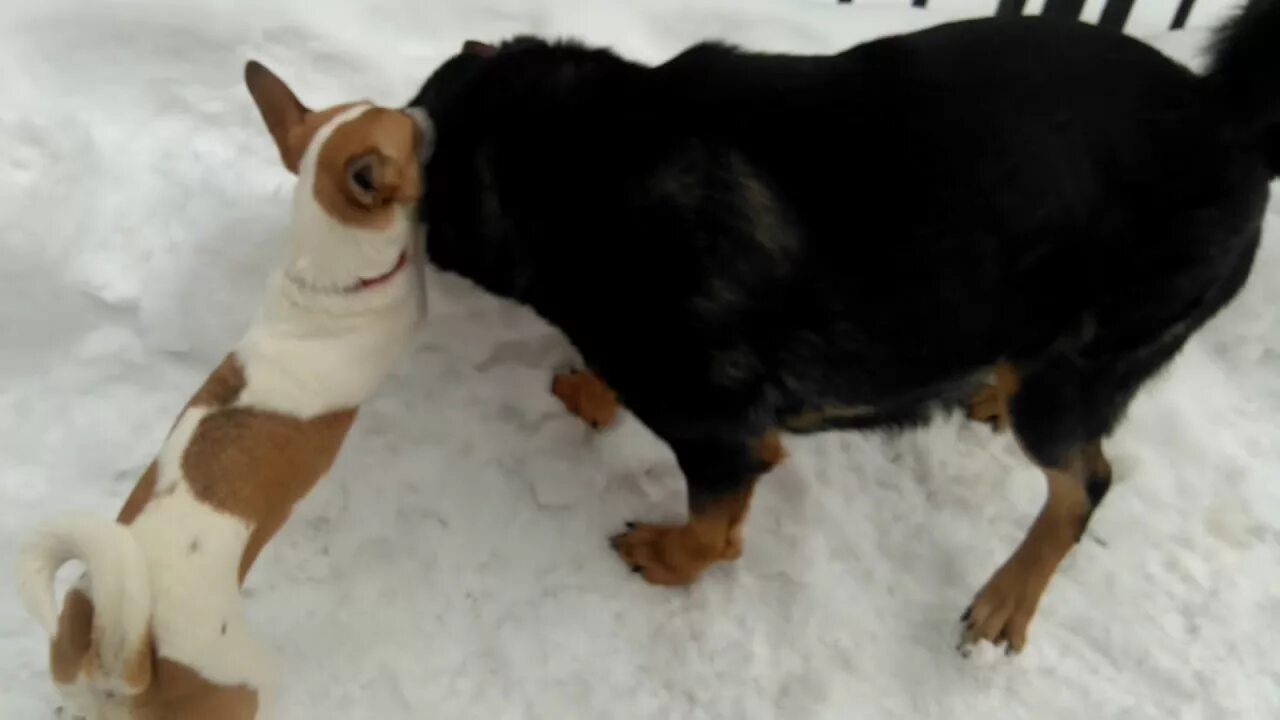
<point>454,564</point>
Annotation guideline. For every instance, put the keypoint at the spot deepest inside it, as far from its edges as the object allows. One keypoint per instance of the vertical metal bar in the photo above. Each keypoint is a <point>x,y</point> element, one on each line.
<point>1115,14</point>
<point>1184,11</point>
<point>1010,7</point>
<point>1063,9</point>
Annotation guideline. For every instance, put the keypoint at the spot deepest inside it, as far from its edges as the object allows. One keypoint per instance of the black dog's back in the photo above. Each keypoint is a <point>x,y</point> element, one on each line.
<point>869,228</point>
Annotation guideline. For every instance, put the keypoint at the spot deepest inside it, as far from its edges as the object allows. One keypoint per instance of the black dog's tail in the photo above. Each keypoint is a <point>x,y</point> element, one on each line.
<point>1244,74</point>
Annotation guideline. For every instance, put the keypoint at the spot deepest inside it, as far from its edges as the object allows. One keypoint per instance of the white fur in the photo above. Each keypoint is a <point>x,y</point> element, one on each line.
<point>196,592</point>
<point>316,346</point>
<point>169,461</point>
<point>325,253</point>
<point>305,363</point>
<point>118,587</point>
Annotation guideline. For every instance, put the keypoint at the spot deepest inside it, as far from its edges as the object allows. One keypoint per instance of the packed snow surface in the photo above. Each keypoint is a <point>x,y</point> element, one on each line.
<point>454,563</point>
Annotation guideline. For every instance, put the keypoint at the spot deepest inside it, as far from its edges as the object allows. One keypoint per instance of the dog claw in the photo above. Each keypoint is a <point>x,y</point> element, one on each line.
<point>637,569</point>
<point>631,526</point>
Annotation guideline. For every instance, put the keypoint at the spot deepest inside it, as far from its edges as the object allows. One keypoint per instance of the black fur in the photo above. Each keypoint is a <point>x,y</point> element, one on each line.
<point>733,239</point>
<point>1244,72</point>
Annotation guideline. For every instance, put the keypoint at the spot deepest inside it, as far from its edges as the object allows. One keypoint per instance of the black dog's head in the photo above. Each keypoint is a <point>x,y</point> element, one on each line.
<point>468,232</point>
<point>443,88</point>
<point>503,117</point>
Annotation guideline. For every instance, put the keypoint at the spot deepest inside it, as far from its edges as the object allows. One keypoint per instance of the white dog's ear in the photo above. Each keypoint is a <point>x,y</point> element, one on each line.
<point>281,111</point>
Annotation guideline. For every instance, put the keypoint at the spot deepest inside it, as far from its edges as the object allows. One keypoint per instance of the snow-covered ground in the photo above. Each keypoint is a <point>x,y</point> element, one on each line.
<point>454,564</point>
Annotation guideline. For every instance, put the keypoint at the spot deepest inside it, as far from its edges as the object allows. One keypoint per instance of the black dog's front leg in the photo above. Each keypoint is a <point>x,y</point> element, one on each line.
<point>721,473</point>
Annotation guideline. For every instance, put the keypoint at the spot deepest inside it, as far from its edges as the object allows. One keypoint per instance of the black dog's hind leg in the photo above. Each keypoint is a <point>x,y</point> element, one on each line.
<point>1052,416</point>
<point>1064,404</point>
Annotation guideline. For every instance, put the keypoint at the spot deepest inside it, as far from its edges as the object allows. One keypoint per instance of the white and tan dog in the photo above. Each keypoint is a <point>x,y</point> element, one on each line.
<point>153,630</point>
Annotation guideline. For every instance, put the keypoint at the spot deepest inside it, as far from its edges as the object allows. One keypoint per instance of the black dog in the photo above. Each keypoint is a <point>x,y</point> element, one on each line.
<point>741,244</point>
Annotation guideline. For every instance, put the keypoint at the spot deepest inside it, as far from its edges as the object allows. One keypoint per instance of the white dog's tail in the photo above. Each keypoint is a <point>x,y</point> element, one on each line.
<point>118,586</point>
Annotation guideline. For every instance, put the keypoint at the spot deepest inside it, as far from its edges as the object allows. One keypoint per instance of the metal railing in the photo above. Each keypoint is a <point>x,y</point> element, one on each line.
<point>1114,14</point>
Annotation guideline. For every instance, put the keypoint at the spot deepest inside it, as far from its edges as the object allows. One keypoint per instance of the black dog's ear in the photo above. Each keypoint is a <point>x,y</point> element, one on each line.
<point>475,47</point>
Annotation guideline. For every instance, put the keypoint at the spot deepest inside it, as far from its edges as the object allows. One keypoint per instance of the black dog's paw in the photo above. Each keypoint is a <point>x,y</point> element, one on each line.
<point>586,396</point>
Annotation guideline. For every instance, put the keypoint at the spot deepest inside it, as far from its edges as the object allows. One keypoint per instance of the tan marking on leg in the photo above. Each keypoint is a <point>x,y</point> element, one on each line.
<point>733,545</point>
<point>1095,462</point>
<point>1003,609</point>
<point>584,394</point>
<point>181,693</point>
<point>770,451</point>
<point>70,646</point>
<point>677,555</point>
<point>991,403</point>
